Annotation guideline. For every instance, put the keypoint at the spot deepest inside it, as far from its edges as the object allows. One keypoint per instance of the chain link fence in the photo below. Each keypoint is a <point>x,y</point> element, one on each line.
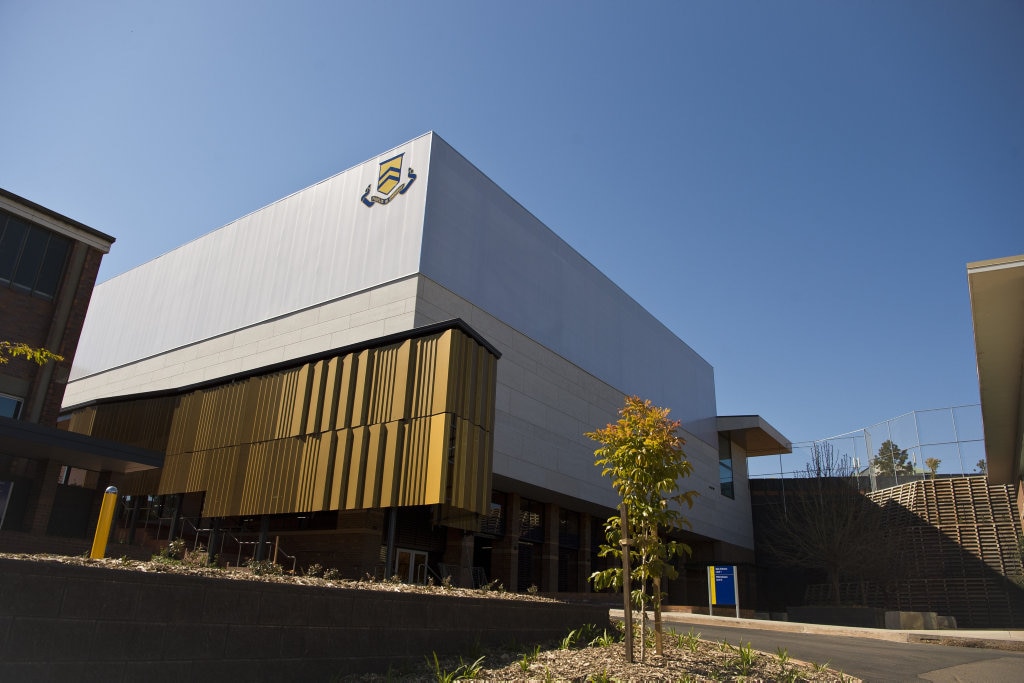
<point>942,442</point>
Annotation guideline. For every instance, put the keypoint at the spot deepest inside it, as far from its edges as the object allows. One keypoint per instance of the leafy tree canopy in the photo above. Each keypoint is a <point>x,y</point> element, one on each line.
<point>643,456</point>
<point>892,460</point>
<point>40,356</point>
<point>827,524</point>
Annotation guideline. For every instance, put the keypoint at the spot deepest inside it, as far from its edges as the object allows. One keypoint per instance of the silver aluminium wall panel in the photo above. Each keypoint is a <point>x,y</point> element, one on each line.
<point>316,245</point>
<point>483,245</point>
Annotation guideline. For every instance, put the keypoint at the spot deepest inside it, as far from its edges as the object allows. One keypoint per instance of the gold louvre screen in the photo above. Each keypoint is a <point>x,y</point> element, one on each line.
<point>409,423</point>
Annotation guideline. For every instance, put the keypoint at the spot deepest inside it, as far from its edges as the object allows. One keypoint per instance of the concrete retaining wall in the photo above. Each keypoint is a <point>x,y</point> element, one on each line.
<point>66,622</point>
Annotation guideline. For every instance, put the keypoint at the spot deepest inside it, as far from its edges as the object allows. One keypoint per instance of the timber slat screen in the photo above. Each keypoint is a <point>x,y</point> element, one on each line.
<point>960,550</point>
<point>408,423</point>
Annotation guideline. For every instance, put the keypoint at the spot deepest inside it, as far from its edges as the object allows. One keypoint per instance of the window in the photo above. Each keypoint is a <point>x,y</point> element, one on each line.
<point>31,258</point>
<point>10,406</point>
<point>76,476</point>
<point>531,520</point>
<point>725,466</point>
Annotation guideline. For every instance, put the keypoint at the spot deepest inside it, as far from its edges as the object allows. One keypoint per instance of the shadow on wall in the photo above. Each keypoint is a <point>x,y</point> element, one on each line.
<point>945,546</point>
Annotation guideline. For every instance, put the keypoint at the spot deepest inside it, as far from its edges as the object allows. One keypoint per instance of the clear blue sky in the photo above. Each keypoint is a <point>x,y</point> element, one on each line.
<point>794,188</point>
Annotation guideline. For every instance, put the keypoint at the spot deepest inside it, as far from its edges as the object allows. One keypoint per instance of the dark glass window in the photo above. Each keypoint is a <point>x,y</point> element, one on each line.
<point>494,523</point>
<point>12,236</point>
<point>568,528</point>
<point>52,267</point>
<point>531,520</point>
<point>9,406</point>
<point>31,258</point>
<point>725,477</point>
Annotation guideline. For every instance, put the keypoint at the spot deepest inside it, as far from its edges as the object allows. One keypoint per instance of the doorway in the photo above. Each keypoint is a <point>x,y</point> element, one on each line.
<point>411,565</point>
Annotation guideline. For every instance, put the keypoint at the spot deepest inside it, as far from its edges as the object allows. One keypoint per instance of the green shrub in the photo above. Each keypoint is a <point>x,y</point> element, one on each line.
<point>264,568</point>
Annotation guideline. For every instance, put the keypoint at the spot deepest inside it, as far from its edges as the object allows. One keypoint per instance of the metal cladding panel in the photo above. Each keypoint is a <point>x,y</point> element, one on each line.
<point>482,245</point>
<point>318,244</point>
<point>284,442</point>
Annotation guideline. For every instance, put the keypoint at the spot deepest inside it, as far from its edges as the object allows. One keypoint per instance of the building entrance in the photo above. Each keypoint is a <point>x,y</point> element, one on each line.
<point>411,565</point>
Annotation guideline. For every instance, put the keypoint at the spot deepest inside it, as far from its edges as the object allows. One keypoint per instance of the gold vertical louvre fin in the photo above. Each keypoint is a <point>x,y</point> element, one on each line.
<point>382,387</point>
<point>471,481</point>
<point>442,376</point>
<point>361,390</point>
<point>342,460</point>
<point>331,393</point>
<point>346,390</point>
<point>82,420</point>
<point>353,496</point>
<point>369,428</point>
<point>401,402</point>
<point>421,400</point>
<point>374,466</point>
<point>144,423</point>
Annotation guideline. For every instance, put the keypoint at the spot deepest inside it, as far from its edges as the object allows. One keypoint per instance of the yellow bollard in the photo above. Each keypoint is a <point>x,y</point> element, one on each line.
<point>99,541</point>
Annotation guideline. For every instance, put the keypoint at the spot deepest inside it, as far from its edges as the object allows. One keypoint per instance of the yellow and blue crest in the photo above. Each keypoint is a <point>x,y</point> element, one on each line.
<point>390,174</point>
<point>389,182</point>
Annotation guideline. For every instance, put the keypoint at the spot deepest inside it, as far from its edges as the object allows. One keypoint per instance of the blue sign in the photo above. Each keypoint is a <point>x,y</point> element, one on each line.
<point>722,582</point>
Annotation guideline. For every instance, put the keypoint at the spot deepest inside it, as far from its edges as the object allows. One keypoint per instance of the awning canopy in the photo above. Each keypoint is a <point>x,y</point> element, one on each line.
<point>754,434</point>
<point>997,306</point>
<point>27,440</point>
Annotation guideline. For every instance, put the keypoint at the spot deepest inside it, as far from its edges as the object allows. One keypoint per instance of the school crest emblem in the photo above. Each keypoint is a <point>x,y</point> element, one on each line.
<point>389,182</point>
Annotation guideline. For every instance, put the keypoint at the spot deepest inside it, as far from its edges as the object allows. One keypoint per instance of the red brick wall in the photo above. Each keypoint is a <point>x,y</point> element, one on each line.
<point>26,318</point>
<point>70,335</point>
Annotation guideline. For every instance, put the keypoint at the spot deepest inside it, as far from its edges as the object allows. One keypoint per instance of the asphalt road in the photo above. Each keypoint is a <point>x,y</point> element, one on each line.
<point>878,660</point>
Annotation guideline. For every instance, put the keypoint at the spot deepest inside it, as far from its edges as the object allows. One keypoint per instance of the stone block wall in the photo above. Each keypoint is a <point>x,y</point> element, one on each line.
<point>69,622</point>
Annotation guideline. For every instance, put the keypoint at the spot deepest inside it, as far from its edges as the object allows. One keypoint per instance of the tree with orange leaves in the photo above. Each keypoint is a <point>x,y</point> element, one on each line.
<point>643,456</point>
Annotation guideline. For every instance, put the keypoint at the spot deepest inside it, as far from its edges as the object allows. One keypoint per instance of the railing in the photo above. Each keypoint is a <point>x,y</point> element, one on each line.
<point>424,573</point>
<point>477,576</point>
<point>277,549</point>
<point>188,527</point>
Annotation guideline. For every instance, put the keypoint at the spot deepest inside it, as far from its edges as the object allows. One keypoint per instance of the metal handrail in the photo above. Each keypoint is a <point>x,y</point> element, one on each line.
<point>278,550</point>
<point>425,569</point>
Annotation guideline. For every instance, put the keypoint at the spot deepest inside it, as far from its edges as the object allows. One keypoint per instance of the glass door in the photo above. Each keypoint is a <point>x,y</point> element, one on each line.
<point>411,565</point>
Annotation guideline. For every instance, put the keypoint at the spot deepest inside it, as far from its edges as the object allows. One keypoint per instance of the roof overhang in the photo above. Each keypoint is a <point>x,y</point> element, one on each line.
<point>754,434</point>
<point>997,307</point>
<point>59,223</point>
<point>27,440</point>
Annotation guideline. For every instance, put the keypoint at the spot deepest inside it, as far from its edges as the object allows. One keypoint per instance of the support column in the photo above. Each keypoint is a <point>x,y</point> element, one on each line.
<point>133,519</point>
<point>458,554</point>
<point>261,545</point>
<point>211,549</point>
<point>584,552</point>
<point>44,501</point>
<point>175,528</point>
<point>549,551</point>
<point>505,554</point>
<point>389,552</point>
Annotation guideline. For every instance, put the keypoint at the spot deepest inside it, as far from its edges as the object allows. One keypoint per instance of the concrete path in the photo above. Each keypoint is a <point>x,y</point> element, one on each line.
<point>948,656</point>
<point>994,639</point>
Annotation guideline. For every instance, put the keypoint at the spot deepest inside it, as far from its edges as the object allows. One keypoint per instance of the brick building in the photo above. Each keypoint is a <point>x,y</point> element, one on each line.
<point>48,477</point>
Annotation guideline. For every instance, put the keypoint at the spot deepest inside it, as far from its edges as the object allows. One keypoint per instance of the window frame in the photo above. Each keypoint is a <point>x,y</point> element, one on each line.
<point>40,257</point>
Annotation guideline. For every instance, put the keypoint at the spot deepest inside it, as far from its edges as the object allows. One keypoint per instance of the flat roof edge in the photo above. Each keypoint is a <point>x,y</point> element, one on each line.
<point>414,333</point>
<point>756,434</point>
